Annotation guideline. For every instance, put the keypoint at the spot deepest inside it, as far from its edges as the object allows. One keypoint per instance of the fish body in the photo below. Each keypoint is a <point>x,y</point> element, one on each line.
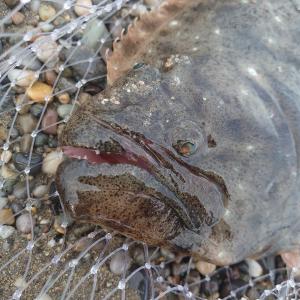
<point>197,147</point>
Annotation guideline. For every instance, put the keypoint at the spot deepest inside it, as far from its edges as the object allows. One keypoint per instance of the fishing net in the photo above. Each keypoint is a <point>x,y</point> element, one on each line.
<point>52,59</point>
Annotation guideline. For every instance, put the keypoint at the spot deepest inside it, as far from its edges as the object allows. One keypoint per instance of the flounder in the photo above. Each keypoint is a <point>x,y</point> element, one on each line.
<point>195,143</point>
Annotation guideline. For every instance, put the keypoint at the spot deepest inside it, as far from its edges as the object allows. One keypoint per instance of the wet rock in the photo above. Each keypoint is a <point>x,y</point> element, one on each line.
<point>255,269</point>
<point>40,191</point>
<point>95,66</point>
<point>41,139</point>
<point>6,216</point>
<point>27,123</point>
<point>49,122</point>
<point>46,12</point>
<point>24,223</point>
<point>36,110</point>
<point>205,268</point>
<point>6,231</point>
<point>52,161</point>
<point>17,18</point>
<point>20,161</point>
<point>120,262</point>
<point>39,92</point>
<point>82,7</point>
<point>21,77</point>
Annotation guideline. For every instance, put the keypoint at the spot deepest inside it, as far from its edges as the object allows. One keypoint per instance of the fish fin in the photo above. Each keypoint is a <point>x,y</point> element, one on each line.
<point>130,46</point>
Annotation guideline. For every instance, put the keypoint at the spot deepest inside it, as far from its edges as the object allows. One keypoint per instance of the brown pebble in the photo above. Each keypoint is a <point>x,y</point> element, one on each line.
<point>64,98</point>
<point>39,91</point>
<point>50,118</point>
<point>205,268</point>
<point>6,216</point>
<point>50,77</point>
<point>17,18</point>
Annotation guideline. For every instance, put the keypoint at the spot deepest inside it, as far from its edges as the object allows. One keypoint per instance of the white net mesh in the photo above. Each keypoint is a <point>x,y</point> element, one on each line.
<point>52,57</point>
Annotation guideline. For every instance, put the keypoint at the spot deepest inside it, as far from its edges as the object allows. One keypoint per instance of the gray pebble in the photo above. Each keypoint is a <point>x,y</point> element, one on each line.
<point>24,223</point>
<point>8,186</point>
<point>6,231</point>
<point>52,142</point>
<point>66,84</point>
<point>41,139</point>
<point>120,262</point>
<point>3,202</point>
<point>40,191</point>
<point>11,3</point>
<point>64,110</point>
<point>36,110</point>
<point>20,190</point>
<point>25,143</point>
<point>20,161</point>
<point>16,207</point>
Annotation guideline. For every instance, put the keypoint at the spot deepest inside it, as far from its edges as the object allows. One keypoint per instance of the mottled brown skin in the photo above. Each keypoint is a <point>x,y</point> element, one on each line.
<point>223,76</point>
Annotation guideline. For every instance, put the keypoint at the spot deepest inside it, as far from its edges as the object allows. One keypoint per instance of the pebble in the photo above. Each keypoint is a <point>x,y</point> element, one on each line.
<point>36,110</point>
<point>291,258</point>
<point>39,91</point>
<point>47,50</point>
<point>205,268</point>
<point>23,103</point>
<point>8,173</point>
<point>50,77</point>
<point>82,7</point>
<point>6,216</point>
<point>11,3</point>
<point>27,123</point>
<point>64,110</point>
<point>35,5</point>
<point>50,117</point>
<point>46,12</point>
<point>20,190</point>
<point>24,223</point>
<point>17,18</point>
<point>22,78</point>
<point>3,202</point>
<point>20,161</point>
<point>46,27</point>
<point>52,142</point>
<point>41,139</point>
<point>44,297</point>
<point>52,161</point>
<point>25,143</point>
<point>6,231</point>
<point>64,98</point>
<point>120,262</point>
<point>40,191</point>
<point>138,9</point>
<point>66,84</point>
<point>255,269</point>
<point>20,283</point>
<point>6,156</point>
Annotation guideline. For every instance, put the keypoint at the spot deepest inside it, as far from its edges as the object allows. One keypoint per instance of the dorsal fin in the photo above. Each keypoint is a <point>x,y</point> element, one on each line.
<point>130,46</point>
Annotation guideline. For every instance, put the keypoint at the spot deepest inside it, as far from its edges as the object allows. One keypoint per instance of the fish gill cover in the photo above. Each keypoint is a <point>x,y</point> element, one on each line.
<point>52,60</point>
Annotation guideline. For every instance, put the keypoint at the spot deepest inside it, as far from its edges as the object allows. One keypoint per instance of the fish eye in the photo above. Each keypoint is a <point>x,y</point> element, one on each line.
<point>185,148</point>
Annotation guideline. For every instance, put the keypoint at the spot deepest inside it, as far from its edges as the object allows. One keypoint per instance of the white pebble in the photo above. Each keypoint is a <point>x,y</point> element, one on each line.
<point>255,269</point>
<point>6,231</point>
<point>46,50</point>
<point>120,262</point>
<point>44,297</point>
<point>20,283</point>
<point>21,77</point>
<point>40,191</point>
<point>82,7</point>
<point>52,161</point>
<point>3,202</point>
<point>24,223</point>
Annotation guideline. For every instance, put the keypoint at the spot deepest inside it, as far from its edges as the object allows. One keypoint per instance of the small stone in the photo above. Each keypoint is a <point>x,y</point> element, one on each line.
<point>46,12</point>
<point>138,9</point>
<point>17,18</point>
<point>24,223</point>
<point>82,7</point>
<point>47,50</point>
<point>255,269</point>
<point>120,262</point>
<point>20,161</point>
<point>20,283</point>
<point>11,3</point>
<point>41,139</point>
<point>35,5</point>
<point>6,156</point>
<point>36,110</point>
<point>25,143</point>
<point>50,77</point>
<point>49,122</point>
<point>64,98</point>
<point>39,91</point>
<point>20,190</point>
<point>22,102</point>
<point>6,216</point>
<point>22,78</point>
<point>44,297</point>
<point>52,142</point>
<point>8,173</point>
<point>52,161</point>
<point>205,268</point>
<point>40,191</point>
<point>27,123</point>
<point>64,110</point>
<point>6,231</point>
<point>3,202</point>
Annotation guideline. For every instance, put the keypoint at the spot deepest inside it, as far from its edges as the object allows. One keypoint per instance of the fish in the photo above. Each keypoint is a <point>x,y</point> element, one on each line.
<point>194,144</point>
